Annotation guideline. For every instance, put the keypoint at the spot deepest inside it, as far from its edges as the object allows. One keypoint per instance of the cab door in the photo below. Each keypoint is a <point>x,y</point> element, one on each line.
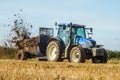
<point>64,34</point>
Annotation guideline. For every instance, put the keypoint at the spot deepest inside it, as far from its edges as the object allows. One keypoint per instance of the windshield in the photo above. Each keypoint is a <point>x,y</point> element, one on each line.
<point>79,32</point>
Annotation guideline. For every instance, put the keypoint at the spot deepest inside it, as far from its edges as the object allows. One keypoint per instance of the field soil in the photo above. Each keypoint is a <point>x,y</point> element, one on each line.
<point>44,70</point>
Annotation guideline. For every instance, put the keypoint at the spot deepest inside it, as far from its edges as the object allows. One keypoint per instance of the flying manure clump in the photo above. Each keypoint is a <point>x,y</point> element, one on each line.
<point>20,30</point>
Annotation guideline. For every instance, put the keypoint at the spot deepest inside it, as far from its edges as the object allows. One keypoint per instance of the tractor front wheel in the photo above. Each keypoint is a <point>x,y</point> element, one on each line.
<point>53,51</point>
<point>77,55</point>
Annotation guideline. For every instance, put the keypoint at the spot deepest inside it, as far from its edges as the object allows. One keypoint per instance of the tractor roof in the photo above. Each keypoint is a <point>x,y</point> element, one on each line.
<point>68,25</point>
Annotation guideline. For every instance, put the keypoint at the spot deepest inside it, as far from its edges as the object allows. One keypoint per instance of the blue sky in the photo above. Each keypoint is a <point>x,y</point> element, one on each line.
<point>102,15</point>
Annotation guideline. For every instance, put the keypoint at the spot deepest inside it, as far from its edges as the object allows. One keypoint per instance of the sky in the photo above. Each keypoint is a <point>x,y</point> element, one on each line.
<point>102,15</point>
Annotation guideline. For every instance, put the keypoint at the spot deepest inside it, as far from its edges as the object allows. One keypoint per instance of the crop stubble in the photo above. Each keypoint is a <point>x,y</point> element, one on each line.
<point>44,70</point>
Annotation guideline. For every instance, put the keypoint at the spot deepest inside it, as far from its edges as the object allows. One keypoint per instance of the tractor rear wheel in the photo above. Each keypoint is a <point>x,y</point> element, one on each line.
<point>77,55</point>
<point>21,55</point>
<point>101,59</point>
<point>53,51</point>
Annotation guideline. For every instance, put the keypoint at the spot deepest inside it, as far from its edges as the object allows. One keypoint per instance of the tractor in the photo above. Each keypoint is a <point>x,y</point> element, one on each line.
<point>73,43</point>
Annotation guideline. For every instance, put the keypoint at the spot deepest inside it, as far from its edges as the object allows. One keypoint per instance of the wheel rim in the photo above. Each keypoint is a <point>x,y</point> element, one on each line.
<point>76,56</point>
<point>52,52</point>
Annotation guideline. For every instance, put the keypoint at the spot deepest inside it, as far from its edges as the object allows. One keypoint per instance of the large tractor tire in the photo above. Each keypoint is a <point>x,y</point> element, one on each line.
<point>21,55</point>
<point>53,51</point>
<point>77,55</point>
<point>101,59</point>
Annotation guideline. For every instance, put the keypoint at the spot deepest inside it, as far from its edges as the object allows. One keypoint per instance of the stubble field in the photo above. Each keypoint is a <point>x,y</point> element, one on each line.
<point>44,70</point>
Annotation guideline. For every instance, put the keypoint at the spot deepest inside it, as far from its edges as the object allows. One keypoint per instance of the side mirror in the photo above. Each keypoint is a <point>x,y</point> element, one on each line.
<point>91,30</point>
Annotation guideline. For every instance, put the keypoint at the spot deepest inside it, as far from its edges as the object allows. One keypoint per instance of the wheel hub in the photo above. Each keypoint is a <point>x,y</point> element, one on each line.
<point>76,56</point>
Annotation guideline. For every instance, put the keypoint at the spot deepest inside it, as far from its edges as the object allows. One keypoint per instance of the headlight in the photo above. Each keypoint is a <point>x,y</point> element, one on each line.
<point>88,43</point>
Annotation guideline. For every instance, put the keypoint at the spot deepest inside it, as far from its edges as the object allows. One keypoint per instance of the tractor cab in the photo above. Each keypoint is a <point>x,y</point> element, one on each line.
<point>76,34</point>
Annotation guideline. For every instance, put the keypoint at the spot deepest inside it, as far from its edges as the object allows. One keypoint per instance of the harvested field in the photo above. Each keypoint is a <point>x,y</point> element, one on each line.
<point>44,70</point>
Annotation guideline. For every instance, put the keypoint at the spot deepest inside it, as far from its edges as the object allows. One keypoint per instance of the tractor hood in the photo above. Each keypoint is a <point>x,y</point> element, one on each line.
<point>86,42</point>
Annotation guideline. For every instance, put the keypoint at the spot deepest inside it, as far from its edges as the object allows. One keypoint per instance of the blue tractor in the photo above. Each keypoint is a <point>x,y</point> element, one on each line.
<point>72,43</point>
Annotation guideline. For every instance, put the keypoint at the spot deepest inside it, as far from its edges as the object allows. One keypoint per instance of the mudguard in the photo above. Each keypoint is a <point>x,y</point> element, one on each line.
<point>60,41</point>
